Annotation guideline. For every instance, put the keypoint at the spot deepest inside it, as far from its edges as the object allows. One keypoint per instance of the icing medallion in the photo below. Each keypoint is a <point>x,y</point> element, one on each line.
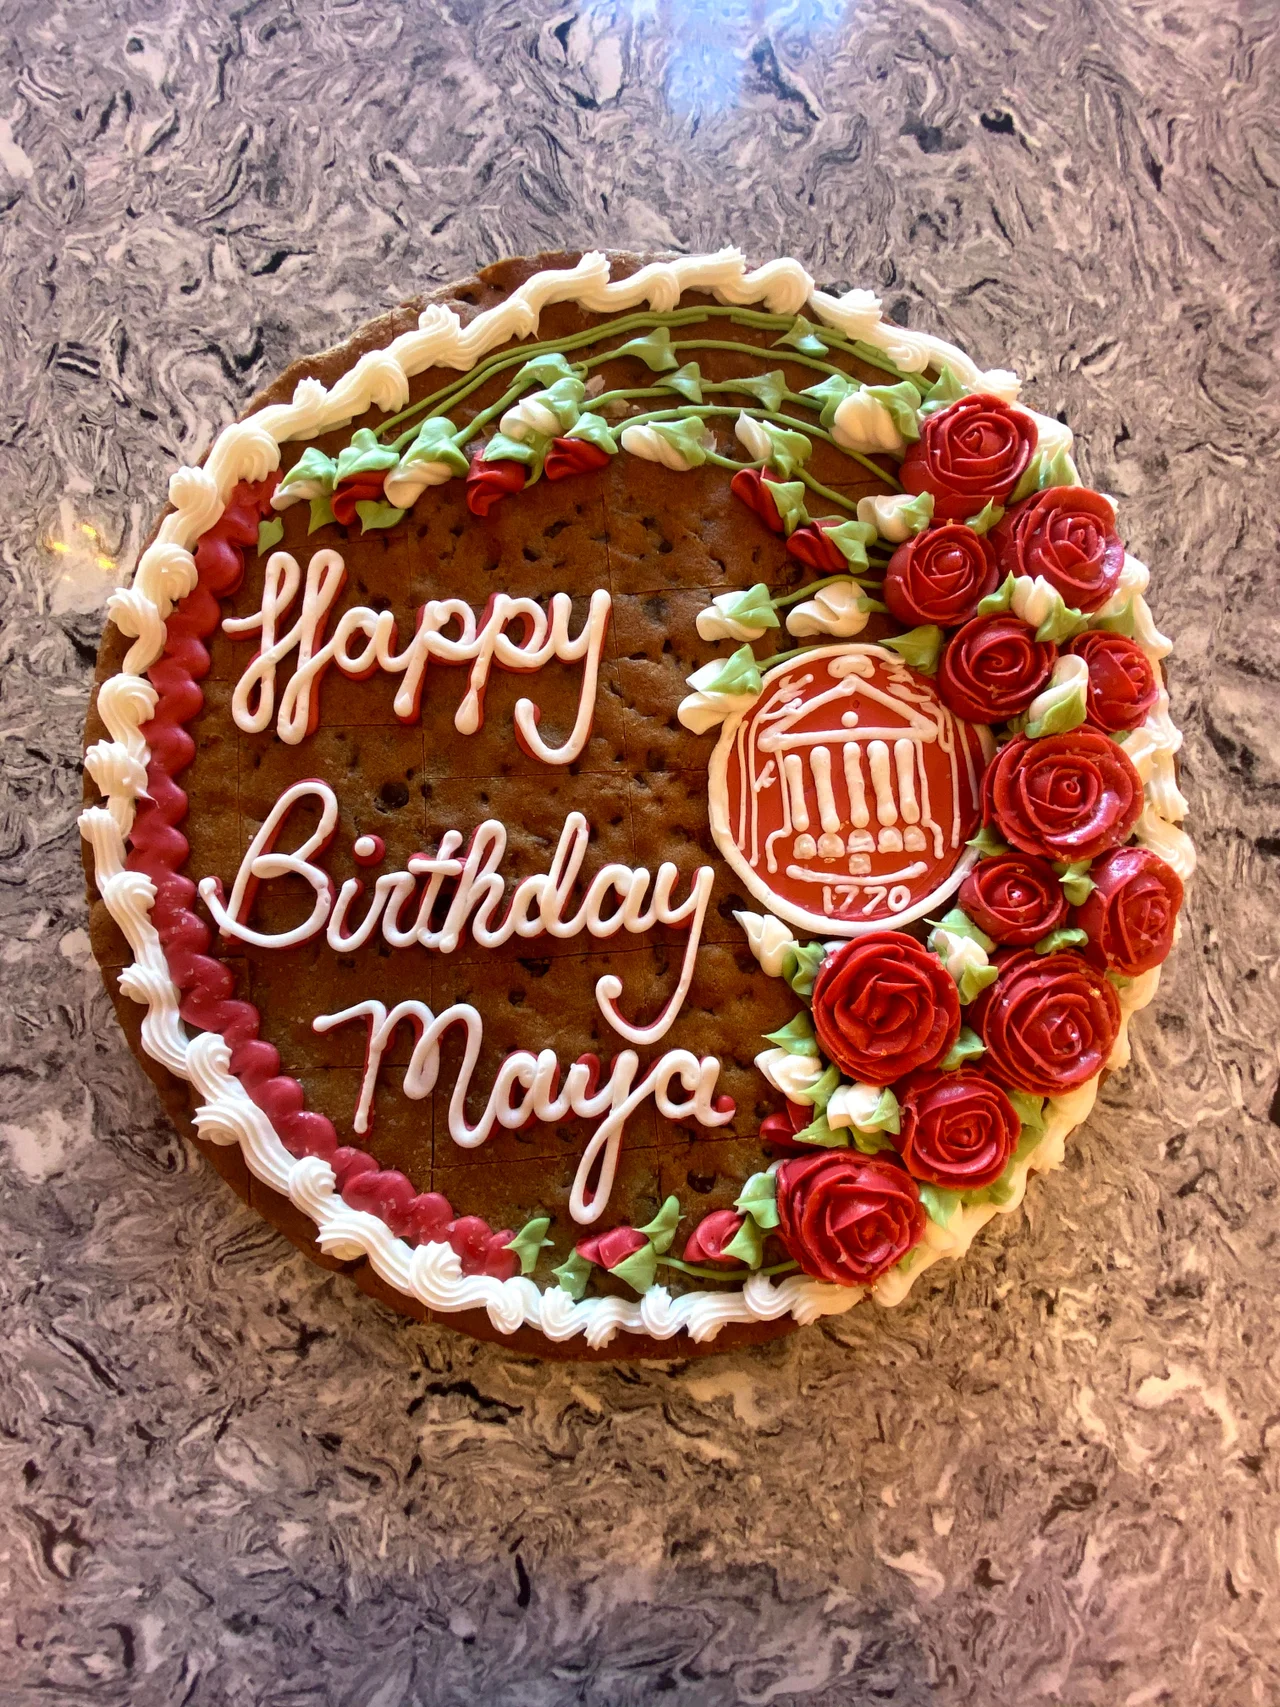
<point>845,796</point>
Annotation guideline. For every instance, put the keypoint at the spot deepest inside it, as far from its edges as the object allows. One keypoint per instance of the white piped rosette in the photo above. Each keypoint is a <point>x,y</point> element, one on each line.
<point>873,420</point>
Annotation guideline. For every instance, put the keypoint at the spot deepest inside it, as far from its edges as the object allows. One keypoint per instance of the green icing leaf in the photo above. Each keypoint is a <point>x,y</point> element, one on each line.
<point>687,380</point>
<point>754,608</point>
<point>435,443</point>
<point>1062,623</point>
<point>269,534</point>
<point>945,389</point>
<point>531,451</point>
<point>639,1270</point>
<point>919,647</point>
<point>973,980</point>
<point>918,513</point>
<point>1028,482</point>
<point>747,1244</point>
<point>821,1135</point>
<point>373,515</point>
<point>987,843</point>
<point>1122,622</point>
<point>800,967</point>
<point>1077,885</point>
<point>321,514</point>
<point>803,336</point>
<point>821,1091</point>
<point>738,674</point>
<point>662,1229</point>
<point>688,435</point>
<point>965,1048</point>
<point>1029,1110</point>
<point>790,450</point>
<point>529,1242</point>
<point>958,923</point>
<point>1066,936</point>
<point>796,1037</point>
<point>759,1200</point>
<point>654,350</point>
<point>901,401</point>
<point>312,465</point>
<point>939,1205</point>
<point>851,540</point>
<point>1058,470</point>
<point>364,455</point>
<point>573,1274</point>
<point>769,387</point>
<point>1066,712</point>
<point>788,495</point>
<point>1000,600</point>
<point>595,430</point>
<point>870,1143</point>
<point>564,399</point>
<point>830,394</point>
<point>544,370</point>
<point>986,518</point>
<point>1119,980</point>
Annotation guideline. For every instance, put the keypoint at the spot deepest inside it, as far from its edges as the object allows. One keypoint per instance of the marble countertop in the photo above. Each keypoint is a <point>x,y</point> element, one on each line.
<point>1052,1475</point>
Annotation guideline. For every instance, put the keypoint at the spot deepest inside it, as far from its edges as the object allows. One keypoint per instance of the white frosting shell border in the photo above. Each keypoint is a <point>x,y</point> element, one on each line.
<point>249,450</point>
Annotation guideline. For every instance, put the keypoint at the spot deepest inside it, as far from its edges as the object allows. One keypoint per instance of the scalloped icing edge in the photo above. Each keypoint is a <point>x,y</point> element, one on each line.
<point>249,450</point>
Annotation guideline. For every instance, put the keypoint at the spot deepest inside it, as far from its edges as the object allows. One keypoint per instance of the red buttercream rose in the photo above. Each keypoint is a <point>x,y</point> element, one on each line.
<point>752,487</point>
<point>1131,911</point>
<point>1049,1021</point>
<point>958,1129</point>
<point>811,545</point>
<point>847,1218</point>
<point>572,456</point>
<point>968,454</point>
<point>1014,898</point>
<point>993,668</point>
<point>359,489</point>
<point>611,1248</point>
<point>882,1006</point>
<point>1068,535</point>
<point>708,1239</point>
<point>489,482</point>
<point>939,576</point>
<point>1067,797</point>
<point>1122,684</point>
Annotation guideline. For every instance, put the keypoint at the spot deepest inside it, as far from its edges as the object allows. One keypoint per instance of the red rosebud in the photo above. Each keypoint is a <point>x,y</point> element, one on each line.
<point>939,576</point>
<point>778,1130</point>
<point>359,489</point>
<point>1068,535</point>
<point>489,482</point>
<point>993,668</point>
<point>882,1006</point>
<point>958,1129</point>
<point>969,454</point>
<point>1131,911</point>
<point>611,1248</point>
<point>811,545</point>
<point>573,456</point>
<point>847,1218</point>
<point>1049,1021</point>
<point>753,489</point>
<point>707,1241</point>
<point>1122,684</point>
<point>1066,797</point>
<point>1014,898</point>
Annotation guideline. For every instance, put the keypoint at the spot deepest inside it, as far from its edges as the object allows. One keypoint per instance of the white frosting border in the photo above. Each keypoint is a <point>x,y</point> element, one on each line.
<point>249,450</point>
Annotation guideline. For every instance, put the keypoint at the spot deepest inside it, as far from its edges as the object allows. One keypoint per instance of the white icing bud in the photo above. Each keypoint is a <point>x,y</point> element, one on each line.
<point>999,382</point>
<point>1034,601</point>
<point>863,423</point>
<point>1145,632</point>
<point>715,623</point>
<point>529,417</point>
<point>888,515</point>
<point>1135,578</point>
<point>1062,705</point>
<point>651,446</point>
<point>836,609</point>
<point>405,485</point>
<point>959,954</point>
<point>768,939</point>
<point>855,1105</point>
<point>704,707</point>
<point>297,492</point>
<point>753,437</point>
<point>793,1075</point>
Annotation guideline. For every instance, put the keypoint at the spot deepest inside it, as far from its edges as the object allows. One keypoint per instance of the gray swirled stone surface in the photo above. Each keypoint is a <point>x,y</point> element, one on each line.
<point>1052,1475</point>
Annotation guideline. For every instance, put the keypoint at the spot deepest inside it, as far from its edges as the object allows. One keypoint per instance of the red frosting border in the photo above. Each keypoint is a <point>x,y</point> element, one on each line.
<point>159,850</point>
